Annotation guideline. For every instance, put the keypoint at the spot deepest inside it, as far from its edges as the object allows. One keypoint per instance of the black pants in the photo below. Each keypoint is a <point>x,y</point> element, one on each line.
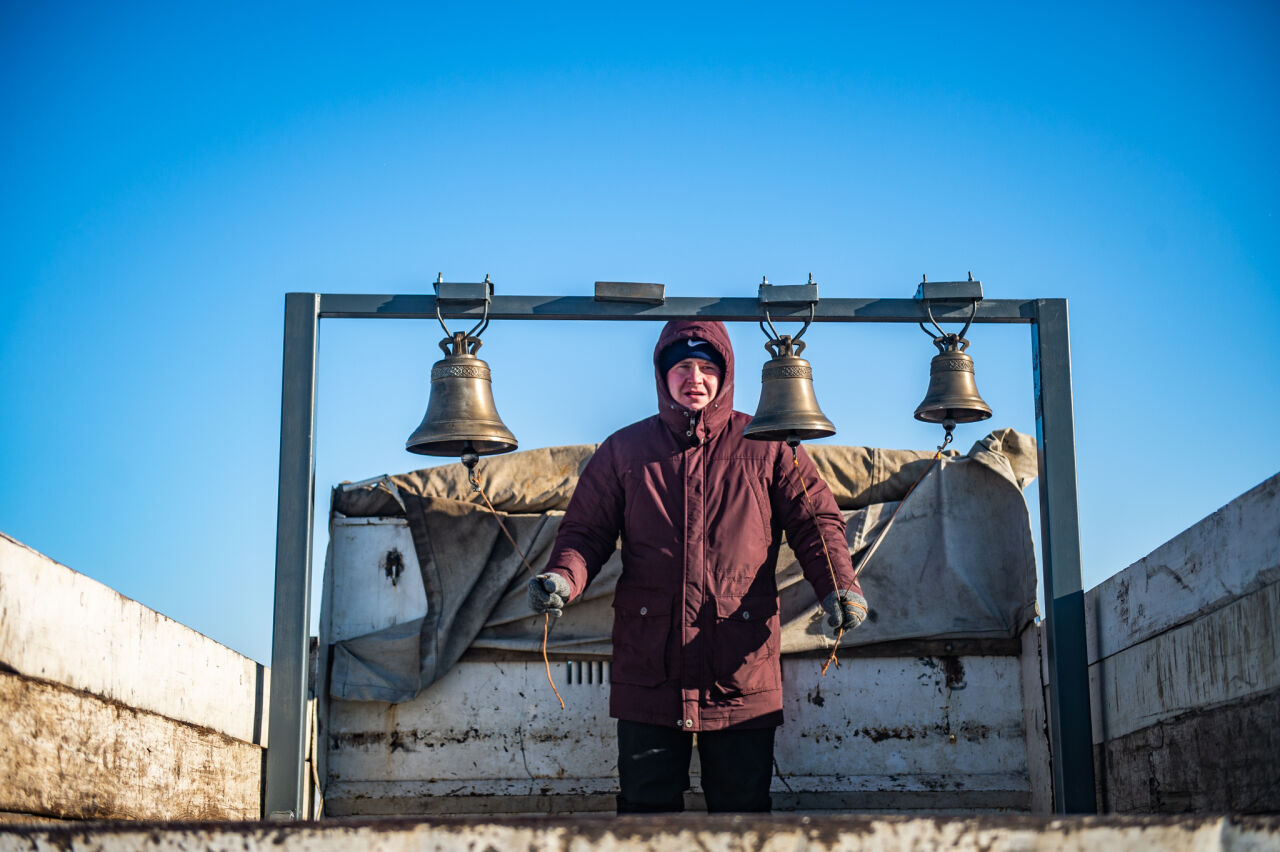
<point>653,766</point>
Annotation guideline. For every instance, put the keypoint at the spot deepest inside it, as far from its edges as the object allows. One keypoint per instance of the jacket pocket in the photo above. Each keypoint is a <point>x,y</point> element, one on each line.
<point>641,627</point>
<point>745,656</point>
<point>765,514</point>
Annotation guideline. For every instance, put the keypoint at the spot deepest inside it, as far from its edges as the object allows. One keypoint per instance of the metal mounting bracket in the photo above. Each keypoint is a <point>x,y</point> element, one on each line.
<point>949,291</point>
<point>788,295</point>
<point>463,293</point>
<point>630,291</point>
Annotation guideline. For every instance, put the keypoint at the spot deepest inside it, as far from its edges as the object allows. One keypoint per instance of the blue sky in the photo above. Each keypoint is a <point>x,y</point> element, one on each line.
<point>171,170</point>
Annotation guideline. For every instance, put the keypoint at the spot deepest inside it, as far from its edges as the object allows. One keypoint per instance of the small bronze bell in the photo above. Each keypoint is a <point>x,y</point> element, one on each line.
<point>788,410</point>
<point>461,418</point>
<point>952,396</point>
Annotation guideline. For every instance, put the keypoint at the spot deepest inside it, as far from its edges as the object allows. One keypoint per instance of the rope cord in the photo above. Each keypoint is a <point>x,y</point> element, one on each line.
<point>546,616</point>
<point>866,557</point>
<point>835,584</point>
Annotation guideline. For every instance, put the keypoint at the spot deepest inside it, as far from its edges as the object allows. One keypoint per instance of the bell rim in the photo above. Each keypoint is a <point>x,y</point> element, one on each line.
<point>481,445</point>
<point>789,434</point>
<point>765,429</point>
<point>974,413</point>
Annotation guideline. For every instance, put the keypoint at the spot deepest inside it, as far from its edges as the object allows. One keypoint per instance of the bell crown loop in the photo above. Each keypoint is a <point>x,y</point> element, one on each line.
<point>460,344</point>
<point>785,346</point>
<point>790,340</point>
<point>950,343</point>
<point>945,340</point>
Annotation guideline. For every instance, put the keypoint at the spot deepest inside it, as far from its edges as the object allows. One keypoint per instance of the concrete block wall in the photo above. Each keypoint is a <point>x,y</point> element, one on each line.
<point>1185,668</point>
<point>110,710</point>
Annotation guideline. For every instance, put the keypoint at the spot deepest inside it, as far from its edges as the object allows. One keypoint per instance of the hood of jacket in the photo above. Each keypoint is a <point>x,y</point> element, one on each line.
<point>716,416</point>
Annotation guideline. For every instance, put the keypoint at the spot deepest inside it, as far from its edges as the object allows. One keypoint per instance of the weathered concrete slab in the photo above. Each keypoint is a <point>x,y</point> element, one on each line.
<point>640,834</point>
<point>402,799</point>
<point>68,754</point>
<point>1234,551</point>
<point>1220,760</point>
<point>9,818</point>
<point>1230,654</point>
<point>1185,668</point>
<point>64,627</point>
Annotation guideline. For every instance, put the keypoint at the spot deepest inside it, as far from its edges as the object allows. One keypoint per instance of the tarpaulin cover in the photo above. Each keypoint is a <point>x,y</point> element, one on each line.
<point>957,563</point>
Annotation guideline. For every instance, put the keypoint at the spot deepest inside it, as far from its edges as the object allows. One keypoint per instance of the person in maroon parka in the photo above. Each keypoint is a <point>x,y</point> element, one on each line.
<point>701,511</point>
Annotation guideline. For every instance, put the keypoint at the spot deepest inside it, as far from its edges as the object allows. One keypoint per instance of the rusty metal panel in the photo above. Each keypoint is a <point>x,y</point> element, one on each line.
<point>1035,715</point>
<point>876,732</point>
<point>934,723</point>
<point>488,728</point>
<point>380,583</point>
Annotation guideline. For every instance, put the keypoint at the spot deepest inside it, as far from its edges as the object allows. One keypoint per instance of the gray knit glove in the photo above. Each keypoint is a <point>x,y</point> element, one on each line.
<point>548,593</point>
<point>845,609</point>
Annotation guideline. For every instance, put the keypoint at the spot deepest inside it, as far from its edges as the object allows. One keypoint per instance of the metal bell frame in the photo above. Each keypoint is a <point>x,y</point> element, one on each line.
<point>1066,654</point>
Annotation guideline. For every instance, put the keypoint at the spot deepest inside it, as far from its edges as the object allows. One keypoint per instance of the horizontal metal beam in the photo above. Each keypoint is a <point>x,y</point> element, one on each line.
<point>371,306</point>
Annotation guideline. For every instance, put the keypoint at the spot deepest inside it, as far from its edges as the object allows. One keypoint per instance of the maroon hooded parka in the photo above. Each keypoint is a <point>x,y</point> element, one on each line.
<point>701,511</point>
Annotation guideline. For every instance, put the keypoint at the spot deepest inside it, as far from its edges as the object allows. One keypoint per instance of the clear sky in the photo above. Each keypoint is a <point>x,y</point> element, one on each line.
<point>169,171</point>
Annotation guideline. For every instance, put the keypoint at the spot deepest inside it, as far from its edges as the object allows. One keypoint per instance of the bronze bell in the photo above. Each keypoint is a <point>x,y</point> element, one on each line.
<point>952,396</point>
<point>788,410</point>
<point>461,417</point>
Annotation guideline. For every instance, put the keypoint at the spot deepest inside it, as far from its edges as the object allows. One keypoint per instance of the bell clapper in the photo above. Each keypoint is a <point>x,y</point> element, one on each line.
<point>469,460</point>
<point>949,425</point>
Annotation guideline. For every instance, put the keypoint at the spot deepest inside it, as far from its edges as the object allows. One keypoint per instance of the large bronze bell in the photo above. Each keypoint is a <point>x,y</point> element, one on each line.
<point>461,418</point>
<point>952,396</point>
<point>788,410</point>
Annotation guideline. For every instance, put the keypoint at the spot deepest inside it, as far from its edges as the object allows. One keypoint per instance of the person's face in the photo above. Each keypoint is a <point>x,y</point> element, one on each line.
<point>693,382</point>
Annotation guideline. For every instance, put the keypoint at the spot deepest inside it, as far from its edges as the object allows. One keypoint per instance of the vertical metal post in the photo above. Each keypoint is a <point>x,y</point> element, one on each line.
<point>286,743</point>
<point>1070,726</point>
